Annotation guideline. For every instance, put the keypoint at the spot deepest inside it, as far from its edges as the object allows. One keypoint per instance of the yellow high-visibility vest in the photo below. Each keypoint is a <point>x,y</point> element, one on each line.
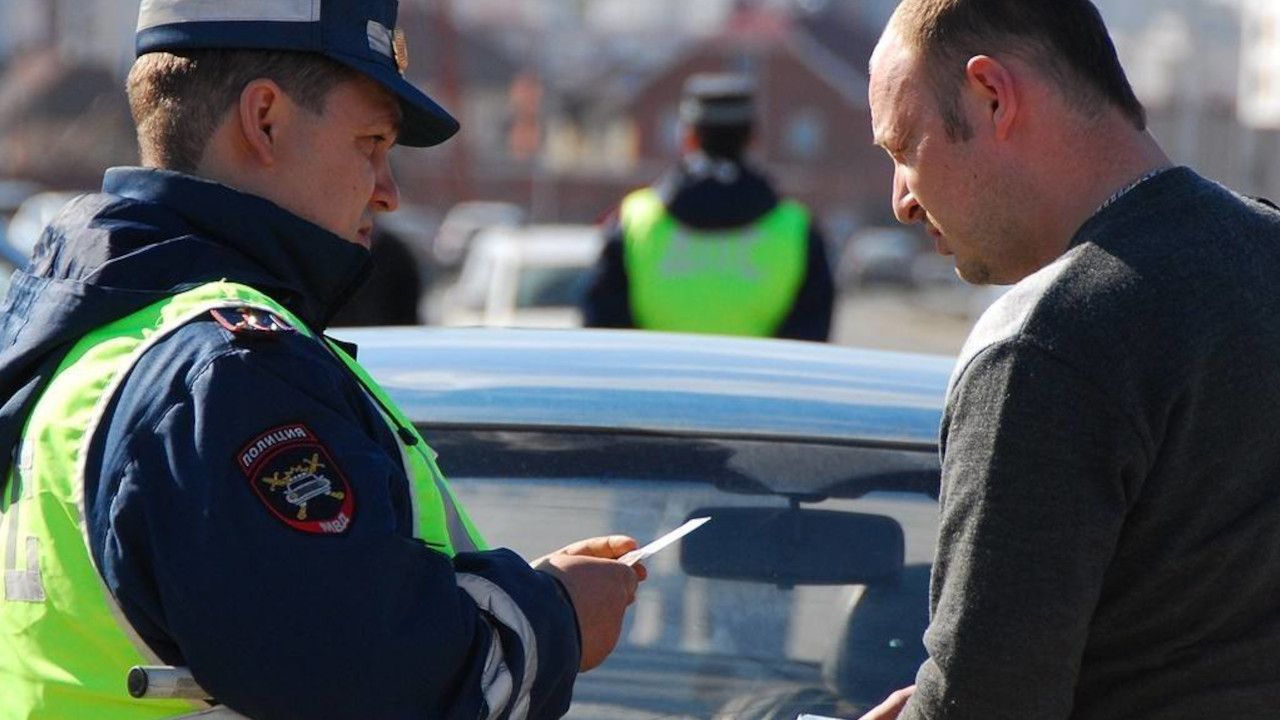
<point>741,281</point>
<point>65,645</point>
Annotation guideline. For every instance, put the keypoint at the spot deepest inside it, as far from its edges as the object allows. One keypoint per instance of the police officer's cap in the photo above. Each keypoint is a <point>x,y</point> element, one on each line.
<point>718,99</point>
<point>360,34</point>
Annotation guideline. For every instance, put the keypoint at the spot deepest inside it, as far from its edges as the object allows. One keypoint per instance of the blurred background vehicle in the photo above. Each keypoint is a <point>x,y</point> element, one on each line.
<point>32,215</point>
<point>941,291</point>
<point>461,224</point>
<point>416,225</point>
<point>879,256</point>
<point>808,589</point>
<point>7,267</point>
<point>25,208</point>
<point>522,276</point>
<point>9,254</point>
<point>13,192</point>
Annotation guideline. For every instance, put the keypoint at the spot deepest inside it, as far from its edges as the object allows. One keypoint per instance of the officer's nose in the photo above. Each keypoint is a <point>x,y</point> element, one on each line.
<point>905,207</point>
<point>386,192</point>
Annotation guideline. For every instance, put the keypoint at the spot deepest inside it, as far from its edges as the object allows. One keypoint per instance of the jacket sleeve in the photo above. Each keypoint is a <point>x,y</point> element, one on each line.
<point>1040,469</point>
<point>281,622</point>
<point>810,316</point>
<point>607,302</point>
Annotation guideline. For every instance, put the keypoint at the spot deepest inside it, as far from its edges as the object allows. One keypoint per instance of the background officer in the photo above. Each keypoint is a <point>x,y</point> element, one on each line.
<point>193,475</point>
<point>711,247</point>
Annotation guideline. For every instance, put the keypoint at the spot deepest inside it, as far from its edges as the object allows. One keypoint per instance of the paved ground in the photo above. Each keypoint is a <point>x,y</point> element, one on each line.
<point>887,319</point>
<point>882,318</point>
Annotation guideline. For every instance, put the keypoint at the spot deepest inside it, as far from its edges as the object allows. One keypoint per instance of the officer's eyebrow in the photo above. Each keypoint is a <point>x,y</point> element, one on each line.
<point>386,117</point>
<point>387,123</point>
<point>397,122</point>
<point>397,118</point>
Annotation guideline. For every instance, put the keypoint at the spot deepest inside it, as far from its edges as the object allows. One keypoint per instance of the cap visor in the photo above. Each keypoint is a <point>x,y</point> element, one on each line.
<point>424,122</point>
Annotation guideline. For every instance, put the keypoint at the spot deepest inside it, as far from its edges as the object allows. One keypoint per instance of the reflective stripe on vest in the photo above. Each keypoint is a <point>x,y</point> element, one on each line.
<point>65,645</point>
<point>740,281</point>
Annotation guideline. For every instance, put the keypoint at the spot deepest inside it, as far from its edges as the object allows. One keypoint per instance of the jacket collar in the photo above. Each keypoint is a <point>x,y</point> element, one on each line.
<point>711,194</point>
<point>316,270</point>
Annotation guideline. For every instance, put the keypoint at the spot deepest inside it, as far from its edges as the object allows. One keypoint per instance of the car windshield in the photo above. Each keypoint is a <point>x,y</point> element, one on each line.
<point>806,592</point>
<point>550,285</point>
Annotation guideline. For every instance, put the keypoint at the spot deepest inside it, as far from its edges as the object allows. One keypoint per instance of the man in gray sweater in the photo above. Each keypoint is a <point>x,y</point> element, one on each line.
<point>1110,533</point>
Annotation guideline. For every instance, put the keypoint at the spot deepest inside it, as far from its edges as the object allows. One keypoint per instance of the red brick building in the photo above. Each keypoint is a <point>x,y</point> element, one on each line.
<point>618,131</point>
<point>814,132</point>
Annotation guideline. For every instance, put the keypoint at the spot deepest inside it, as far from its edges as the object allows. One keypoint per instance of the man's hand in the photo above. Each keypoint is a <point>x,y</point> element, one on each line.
<point>890,708</point>
<point>600,587</point>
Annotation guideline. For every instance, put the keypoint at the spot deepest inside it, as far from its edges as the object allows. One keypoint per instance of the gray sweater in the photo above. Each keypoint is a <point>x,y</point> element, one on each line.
<point>1110,536</point>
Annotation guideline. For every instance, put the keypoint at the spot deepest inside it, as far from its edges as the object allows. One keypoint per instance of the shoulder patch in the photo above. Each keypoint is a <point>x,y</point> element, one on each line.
<point>251,323</point>
<point>294,475</point>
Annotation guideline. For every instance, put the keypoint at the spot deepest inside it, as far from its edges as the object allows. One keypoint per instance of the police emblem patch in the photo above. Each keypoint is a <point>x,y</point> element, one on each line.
<point>294,475</point>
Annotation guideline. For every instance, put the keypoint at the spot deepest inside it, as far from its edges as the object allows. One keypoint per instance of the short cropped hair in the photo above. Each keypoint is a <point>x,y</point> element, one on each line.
<point>1065,39</point>
<point>179,99</point>
<point>724,142</point>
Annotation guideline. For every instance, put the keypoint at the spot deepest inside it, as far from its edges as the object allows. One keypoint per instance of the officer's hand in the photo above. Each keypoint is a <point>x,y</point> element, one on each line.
<point>892,707</point>
<point>609,547</point>
<point>600,587</point>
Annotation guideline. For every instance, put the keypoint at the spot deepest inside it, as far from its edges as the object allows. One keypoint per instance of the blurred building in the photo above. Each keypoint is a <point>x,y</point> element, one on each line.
<point>62,121</point>
<point>814,130</point>
<point>22,25</point>
<point>95,32</point>
<point>63,114</point>
<point>1183,59</point>
<point>591,114</point>
<point>603,16</point>
<point>568,103</point>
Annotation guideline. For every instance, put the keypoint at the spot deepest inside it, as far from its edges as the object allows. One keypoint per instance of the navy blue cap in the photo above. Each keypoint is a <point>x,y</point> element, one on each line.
<point>360,34</point>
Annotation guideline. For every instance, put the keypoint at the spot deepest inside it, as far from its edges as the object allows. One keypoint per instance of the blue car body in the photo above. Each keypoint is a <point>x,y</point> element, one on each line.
<point>550,436</point>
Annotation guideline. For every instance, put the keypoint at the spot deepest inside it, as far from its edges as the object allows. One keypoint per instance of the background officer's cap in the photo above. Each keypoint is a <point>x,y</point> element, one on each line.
<point>360,34</point>
<point>718,99</point>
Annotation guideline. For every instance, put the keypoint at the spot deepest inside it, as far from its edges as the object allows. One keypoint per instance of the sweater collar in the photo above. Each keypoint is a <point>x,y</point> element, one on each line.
<point>1145,198</point>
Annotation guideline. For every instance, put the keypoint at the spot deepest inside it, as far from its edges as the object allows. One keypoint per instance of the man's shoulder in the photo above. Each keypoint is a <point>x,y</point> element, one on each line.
<point>204,365</point>
<point>230,334</point>
<point>1011,314</point>
<point>1074,306</point>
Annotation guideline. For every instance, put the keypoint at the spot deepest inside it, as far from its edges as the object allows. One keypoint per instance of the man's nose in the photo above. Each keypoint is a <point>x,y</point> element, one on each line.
<point>905,207</point>
<point>386,192</point>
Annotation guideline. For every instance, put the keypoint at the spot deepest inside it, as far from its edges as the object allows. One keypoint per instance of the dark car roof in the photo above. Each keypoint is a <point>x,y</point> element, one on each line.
<point>655,382</point>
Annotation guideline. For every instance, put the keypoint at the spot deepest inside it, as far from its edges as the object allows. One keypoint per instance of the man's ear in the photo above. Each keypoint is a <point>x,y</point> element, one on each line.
<point>992,82</point>
<point>262,107</point>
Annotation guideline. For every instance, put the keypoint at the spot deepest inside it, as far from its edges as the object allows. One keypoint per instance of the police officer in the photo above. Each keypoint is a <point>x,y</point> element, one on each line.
<point>711,247</point>
<point>193,474</point>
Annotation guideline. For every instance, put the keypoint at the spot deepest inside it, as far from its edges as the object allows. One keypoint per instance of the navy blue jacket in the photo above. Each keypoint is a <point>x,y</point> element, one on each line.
<point>698,196</point>
<point>275,622</point>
